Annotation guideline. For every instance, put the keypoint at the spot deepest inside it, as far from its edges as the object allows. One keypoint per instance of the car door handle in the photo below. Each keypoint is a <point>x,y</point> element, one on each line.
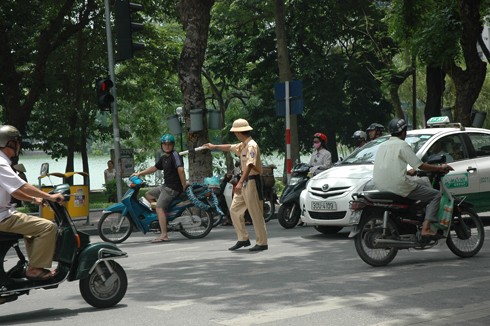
<point>470,169</point>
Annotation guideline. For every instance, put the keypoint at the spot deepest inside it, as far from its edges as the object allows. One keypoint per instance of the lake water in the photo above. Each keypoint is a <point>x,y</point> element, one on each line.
<point>32,162</point>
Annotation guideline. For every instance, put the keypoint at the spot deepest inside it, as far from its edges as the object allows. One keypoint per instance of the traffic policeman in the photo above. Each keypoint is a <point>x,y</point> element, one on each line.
<point>248,191</point>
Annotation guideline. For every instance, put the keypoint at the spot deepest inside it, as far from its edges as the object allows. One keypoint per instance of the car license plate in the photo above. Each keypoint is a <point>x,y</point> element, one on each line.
<point>323,206</point>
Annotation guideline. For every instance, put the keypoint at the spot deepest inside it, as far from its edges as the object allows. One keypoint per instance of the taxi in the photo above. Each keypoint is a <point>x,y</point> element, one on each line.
<point>325,201</point>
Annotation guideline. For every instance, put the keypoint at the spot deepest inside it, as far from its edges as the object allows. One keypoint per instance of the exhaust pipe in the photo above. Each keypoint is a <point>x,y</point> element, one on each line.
<point>388,243</point>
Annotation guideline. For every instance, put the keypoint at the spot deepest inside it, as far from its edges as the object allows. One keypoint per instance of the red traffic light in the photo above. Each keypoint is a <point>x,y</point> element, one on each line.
<point>104,96</point>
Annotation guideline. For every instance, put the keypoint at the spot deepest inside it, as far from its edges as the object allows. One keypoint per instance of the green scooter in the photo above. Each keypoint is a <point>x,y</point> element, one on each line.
<point>103,282</point>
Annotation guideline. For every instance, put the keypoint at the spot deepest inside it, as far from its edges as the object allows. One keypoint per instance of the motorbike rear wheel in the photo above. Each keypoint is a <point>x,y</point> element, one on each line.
<point>201,230</point>
<point>370,229</point>
<point>104,294</point>
<point>114,227</point>
<point>466,237</point>
<point>288,215</point>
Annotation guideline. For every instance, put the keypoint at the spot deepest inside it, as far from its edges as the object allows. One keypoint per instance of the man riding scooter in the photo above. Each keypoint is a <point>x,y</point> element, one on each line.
<point>39,234</point>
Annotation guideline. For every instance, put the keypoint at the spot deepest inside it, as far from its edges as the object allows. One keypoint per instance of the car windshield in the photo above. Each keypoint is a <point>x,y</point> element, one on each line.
<point>366,153</point>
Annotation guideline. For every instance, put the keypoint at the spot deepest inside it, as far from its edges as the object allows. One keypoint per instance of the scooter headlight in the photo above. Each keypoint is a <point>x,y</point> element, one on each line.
<point>294,180</point>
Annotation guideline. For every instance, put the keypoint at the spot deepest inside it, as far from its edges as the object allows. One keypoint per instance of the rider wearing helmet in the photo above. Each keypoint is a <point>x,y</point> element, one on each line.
<point>375,130</point>
<point>39,234</point>
<point>320,159</point>
<point>174,182</point>
<point>359,138</point>
<point>391,160</point>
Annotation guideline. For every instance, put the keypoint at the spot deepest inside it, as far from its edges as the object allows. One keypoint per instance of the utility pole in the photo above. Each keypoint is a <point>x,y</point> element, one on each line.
<point>115,117</point>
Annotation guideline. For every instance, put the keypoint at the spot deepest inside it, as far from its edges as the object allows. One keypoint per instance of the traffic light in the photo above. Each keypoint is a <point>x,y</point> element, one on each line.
<point>104,96</point>
<point>125,27</point>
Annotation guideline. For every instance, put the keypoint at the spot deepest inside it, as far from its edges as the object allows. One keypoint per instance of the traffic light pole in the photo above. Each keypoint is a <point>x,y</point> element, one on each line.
<point>115,117</point>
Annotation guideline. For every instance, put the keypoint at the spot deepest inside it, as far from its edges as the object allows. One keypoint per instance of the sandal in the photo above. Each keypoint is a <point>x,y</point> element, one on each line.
<point>43,275</point>
<point>159,240</point>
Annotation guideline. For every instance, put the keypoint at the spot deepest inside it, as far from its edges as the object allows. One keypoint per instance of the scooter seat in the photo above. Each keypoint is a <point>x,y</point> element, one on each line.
<point>9,236</point>
<point>388,197</point>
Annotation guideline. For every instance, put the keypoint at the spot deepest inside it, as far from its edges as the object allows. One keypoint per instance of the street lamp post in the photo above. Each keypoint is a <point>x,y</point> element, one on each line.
<point>180,113</point>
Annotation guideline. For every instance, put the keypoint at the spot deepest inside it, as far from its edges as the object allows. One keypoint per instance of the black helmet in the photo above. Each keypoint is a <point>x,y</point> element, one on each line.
<point>375,126</point>
<point>396,126</point>
<point>359,134</point>
<point>8,133</point>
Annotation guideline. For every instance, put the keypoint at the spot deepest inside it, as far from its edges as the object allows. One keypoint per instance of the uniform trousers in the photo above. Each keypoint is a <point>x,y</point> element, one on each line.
<point>249,199</point>
<point>39,237</point>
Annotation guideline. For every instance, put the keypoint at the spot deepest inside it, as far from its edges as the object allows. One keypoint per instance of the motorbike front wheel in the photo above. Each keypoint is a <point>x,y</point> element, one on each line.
<point>202,223</point>
<point>106,289</point>
<point>466,237</point>
<point>370,229</point>
<point>269,207</point>
<point>114,227</point>
<point>288,215</point>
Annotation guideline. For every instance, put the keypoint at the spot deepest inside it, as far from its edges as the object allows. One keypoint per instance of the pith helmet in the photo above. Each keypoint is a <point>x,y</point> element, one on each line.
<point>240,125</point>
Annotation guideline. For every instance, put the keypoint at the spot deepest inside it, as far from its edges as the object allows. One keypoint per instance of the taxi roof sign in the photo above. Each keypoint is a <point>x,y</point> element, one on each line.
<point>438,120</point>
<point>443,121</point>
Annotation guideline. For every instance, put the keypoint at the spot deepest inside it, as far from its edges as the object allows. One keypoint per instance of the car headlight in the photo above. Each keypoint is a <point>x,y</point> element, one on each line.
<point>369,186</point>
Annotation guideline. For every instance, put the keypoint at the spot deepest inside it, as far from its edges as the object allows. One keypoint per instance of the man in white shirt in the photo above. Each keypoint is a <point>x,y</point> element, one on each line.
<point>390,173</point>
<point>39,234</point>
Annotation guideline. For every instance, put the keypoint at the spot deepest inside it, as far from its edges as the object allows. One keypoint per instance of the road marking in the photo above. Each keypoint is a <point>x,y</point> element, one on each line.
<point>445,316</point>
<point>174,305</point>
<point>328,304</point>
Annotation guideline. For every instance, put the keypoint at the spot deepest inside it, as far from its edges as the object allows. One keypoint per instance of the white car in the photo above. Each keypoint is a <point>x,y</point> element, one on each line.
<point>325,201</point>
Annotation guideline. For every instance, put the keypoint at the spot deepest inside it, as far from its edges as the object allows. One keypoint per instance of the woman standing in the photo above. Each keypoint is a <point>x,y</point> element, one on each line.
<point>110,172</point>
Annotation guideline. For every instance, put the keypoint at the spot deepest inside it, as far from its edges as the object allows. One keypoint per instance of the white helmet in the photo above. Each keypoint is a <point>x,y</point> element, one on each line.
<point>8,133</point>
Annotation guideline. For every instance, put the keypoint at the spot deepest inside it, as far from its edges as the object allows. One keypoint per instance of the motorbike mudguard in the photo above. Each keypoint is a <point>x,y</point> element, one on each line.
<point>354,231</point>
<point>94,252</point>
<point>117,207</point>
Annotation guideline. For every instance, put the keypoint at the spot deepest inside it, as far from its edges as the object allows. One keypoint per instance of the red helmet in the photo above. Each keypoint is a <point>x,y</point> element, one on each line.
<point>320,136</point>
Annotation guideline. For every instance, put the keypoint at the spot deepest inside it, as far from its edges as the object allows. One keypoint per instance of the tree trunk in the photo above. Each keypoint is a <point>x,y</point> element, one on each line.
<point>285,74</point>
<point>195,16</point>
<point>468,82</point>
<point>435,87</point>
<point>394,83</point>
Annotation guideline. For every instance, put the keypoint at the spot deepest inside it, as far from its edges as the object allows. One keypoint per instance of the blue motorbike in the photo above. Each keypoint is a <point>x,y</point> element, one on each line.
<point>190,214</point>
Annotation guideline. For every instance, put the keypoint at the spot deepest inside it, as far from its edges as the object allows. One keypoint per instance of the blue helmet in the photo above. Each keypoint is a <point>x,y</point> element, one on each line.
<point>167,138</point>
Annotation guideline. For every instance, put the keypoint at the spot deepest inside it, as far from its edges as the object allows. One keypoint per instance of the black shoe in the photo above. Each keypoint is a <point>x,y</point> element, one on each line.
<point>240,244</point>
<point>259,248</point>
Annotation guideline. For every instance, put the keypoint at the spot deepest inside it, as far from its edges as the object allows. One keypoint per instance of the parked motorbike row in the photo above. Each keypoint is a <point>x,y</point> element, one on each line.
<point>225,188</point>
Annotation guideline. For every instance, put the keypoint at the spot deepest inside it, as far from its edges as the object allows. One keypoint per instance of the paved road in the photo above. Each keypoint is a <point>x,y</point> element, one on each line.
<point>305,278</point>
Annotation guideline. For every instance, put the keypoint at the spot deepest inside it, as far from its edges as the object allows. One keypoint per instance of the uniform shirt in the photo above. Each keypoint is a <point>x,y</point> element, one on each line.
<point>9,182</point>
<point>320,160</point>
<point>249,153</point>
<point>169,165</point>
<point>390,167</point>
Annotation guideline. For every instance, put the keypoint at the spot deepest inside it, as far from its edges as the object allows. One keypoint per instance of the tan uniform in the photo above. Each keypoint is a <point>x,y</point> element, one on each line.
<point>249,153</point>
